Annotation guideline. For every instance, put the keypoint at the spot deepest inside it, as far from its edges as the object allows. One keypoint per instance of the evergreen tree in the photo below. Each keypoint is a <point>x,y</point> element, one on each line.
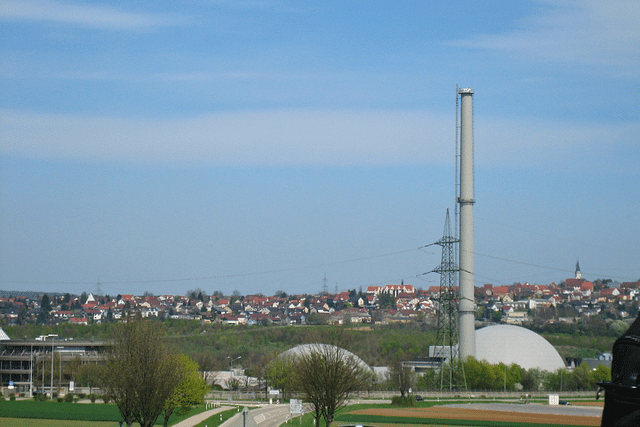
<point>45,303</point>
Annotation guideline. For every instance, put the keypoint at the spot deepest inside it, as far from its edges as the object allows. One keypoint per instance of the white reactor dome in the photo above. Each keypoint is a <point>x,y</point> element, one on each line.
<point>513,344</point>
<point>305,349</point>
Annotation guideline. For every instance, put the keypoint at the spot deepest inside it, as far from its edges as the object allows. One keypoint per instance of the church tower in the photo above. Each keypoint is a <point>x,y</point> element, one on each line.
<point>578,273</point>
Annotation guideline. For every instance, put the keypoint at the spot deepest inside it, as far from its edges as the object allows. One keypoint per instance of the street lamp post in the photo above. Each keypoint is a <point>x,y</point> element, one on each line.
<point>231,363</point>
<point>31,371</point>
<point>232,375</point>
<point>53,338</point>
<point>60,367</point>
<point>42,347</point>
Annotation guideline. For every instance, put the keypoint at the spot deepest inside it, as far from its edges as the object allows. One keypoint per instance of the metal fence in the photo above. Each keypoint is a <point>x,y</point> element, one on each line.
<point>235,396</point>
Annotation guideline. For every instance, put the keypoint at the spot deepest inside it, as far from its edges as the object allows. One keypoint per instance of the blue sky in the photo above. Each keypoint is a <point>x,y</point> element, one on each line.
<point>261,145</point>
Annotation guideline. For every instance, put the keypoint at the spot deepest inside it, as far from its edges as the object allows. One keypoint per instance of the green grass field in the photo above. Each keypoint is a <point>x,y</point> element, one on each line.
<point>405,421</point>
<point>29,422</point>
<point>215,420</point>
<point>59,411</point>
<point>76,414</point>
<point>212,421</point>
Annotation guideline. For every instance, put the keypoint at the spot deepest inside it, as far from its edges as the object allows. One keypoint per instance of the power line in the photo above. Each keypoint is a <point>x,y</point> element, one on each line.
<point>546,267</point>
<point>265,272</point>
<point>226,276</point>
<point>547,236</point>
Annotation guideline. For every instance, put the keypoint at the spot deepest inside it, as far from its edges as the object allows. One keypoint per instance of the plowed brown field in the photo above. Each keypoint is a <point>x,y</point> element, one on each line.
<point>441,412</point>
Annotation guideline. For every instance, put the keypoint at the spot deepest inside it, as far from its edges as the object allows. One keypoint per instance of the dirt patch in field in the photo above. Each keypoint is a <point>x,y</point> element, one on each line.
<point>440,412</point>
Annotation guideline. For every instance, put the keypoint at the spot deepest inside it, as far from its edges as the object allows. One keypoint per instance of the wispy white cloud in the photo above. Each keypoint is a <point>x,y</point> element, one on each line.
<point>534,141</point>
<point>285,137</point>
<point>585,32</point>
<point>246,4</point>
<point>87,15</point>
<point>304,138</point>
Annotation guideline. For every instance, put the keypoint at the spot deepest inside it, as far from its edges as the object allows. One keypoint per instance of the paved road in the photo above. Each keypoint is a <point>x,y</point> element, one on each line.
<point>266,416</point>
<point>197,419</point>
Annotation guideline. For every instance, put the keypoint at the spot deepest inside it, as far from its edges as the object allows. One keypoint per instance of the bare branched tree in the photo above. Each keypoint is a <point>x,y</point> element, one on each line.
<point>328,376</point>
<point>140,374</point>
<point>402,377</point>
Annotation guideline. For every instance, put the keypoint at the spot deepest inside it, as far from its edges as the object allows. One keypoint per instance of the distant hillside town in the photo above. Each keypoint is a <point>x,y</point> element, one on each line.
<point>570,301</point>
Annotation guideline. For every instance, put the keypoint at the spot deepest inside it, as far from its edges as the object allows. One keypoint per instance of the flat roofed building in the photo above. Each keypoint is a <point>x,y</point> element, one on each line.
<point>20,358</point>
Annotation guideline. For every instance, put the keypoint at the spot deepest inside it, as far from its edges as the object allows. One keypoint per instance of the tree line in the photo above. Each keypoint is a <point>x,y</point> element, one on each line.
<point>473,374</point>
<point>211,344</point>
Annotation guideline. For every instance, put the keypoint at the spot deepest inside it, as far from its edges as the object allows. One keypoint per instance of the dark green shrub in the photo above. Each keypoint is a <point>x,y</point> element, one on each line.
<point>55,394</point>
<point>81,395</point>
<point>68,397</point>
<point>12,396</point>
<point>21,394</point>
<point>404,402</point>
<point>60,399</point>
<point>93,397</point>
<point>105,398</point>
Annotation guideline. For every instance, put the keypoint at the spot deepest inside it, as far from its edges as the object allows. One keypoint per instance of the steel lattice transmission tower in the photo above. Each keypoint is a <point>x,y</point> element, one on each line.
<point>451,375</point>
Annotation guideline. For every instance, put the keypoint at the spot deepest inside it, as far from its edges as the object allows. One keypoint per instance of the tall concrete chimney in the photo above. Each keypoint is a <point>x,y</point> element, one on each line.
<point>466,310</point>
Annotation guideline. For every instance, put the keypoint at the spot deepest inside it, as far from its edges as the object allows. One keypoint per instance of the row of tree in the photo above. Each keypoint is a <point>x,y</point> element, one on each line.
<point>481,375</point>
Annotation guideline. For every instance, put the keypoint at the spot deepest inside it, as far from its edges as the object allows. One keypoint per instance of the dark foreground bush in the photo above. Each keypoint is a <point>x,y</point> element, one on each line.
<point>403,402</point>
<point>68,397</point>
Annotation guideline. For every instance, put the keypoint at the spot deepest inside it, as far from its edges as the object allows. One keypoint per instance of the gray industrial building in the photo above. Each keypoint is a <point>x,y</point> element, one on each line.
<point>19,359</point>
